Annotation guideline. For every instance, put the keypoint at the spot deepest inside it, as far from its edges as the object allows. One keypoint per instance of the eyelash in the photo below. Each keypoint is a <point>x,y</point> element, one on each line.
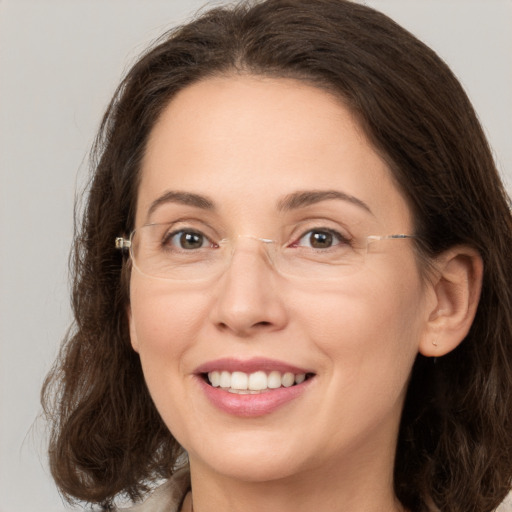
<point>168,237</point>
<point>341,239</point>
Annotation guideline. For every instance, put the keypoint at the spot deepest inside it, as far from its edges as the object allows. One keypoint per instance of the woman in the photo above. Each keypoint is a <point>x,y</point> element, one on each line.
<point>307,304</point>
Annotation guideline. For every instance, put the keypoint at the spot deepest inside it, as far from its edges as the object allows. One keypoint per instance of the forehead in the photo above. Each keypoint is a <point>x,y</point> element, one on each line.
<point>247,141</point>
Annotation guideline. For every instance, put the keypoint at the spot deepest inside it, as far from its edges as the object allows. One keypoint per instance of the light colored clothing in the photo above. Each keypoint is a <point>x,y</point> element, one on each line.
<point>170,495</point>
<point>166,498</point>
<point>506,506</point>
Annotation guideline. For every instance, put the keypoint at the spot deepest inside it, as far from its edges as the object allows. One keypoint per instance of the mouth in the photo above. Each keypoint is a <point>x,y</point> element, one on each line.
<point>252,387</point>
<point>254,383</point>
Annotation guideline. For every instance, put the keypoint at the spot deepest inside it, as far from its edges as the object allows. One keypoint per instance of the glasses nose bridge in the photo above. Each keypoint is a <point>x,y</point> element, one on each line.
<point>266,245</point>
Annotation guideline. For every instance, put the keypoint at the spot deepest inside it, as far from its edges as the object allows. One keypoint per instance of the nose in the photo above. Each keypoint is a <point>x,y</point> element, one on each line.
<point>249,296</point>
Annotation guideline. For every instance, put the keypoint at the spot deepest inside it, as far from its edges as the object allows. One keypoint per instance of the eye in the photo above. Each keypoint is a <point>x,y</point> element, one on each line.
<point>186,240</point>
<point>321,239</point>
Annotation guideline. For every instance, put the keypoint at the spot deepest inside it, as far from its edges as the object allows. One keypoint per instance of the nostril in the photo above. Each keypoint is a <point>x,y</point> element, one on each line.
<point>262,324</point>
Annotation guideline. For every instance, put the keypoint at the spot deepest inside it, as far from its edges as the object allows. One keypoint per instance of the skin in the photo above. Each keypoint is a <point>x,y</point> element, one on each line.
<point>246,142</point>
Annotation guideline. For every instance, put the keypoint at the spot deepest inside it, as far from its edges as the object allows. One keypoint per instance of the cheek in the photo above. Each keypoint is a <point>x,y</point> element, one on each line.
<point>161,321</point>
<point>372,328</point>
<point>163,328</point>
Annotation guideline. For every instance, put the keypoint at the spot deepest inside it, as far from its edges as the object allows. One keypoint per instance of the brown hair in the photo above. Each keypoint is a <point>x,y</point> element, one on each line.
<point>455,441</point>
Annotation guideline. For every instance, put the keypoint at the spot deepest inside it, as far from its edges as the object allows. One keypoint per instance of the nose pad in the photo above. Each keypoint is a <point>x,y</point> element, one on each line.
<point>253,242</point>
<point>263,250</point>
<point>261,246</point>
<point>248,296</point>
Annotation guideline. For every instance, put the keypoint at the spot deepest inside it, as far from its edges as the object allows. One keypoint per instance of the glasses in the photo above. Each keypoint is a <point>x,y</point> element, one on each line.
<point>161,252</point>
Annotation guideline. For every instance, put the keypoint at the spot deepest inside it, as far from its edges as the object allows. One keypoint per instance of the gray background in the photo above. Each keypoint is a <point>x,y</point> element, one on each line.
<point>60,61</point>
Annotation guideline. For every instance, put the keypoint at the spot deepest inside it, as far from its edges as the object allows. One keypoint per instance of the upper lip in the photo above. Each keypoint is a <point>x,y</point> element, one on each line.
<point>249,366</point>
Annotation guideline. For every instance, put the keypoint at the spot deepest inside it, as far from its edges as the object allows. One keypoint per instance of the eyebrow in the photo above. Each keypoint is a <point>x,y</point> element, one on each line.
<point>186,198</point>
<point>309,197</point>
<point>292,201</point>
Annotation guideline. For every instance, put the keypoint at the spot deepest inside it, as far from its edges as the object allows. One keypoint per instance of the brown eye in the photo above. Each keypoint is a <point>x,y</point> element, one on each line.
<point>191,240</point>
<point>187,240</point>
<point>320,239</point>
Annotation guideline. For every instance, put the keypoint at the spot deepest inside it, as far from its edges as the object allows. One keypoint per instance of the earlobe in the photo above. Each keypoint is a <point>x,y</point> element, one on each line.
<point>457,287</point>
<point>133,335</point>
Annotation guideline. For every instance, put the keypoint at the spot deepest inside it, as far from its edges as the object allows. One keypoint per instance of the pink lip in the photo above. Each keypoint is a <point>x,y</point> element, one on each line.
<point>250,405</point>
<point>249,366</point>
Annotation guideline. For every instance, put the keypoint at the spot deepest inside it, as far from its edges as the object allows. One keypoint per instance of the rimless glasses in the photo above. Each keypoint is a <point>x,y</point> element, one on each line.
<point>159,251</point>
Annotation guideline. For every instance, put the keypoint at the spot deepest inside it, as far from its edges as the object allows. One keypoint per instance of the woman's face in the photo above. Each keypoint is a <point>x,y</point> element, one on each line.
<point>244,158</point>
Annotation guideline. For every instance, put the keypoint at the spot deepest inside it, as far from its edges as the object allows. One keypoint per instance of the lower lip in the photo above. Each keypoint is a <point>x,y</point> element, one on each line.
<point>249,406</point>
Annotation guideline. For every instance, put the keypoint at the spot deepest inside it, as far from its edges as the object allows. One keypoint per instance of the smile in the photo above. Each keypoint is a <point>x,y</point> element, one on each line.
<point>254,387</point>
<point>253,383</point>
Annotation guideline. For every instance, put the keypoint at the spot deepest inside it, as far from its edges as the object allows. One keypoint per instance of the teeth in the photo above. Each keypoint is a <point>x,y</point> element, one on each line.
<point>239,380</point>
<point>288,380</point>
<point>245,383</point>
<point>257,381</point>
<point>214,378</point>
<point>225,380</point>
<point>301,377</point>
<point>274,380</point>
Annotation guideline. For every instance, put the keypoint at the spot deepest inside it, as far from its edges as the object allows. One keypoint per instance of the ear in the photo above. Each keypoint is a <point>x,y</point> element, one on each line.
<point>133,335</point>
<point>456,286</point>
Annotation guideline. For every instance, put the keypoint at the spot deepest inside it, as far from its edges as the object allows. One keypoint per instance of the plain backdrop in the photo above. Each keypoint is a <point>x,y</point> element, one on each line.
<point>60,61</point>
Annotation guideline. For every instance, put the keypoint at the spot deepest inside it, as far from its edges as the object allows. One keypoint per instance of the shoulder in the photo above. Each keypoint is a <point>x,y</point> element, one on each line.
<point>165,498</point>
<point>506,506</point>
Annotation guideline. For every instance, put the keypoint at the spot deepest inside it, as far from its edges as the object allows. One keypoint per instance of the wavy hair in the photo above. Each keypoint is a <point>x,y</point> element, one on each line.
<point>454,448</point>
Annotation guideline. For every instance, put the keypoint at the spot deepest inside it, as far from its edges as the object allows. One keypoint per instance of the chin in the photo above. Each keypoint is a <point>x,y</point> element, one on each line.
<point>256,458</point>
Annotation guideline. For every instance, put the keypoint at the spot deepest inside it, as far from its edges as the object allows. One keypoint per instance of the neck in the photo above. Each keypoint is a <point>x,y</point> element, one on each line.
<point>363,488</point>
